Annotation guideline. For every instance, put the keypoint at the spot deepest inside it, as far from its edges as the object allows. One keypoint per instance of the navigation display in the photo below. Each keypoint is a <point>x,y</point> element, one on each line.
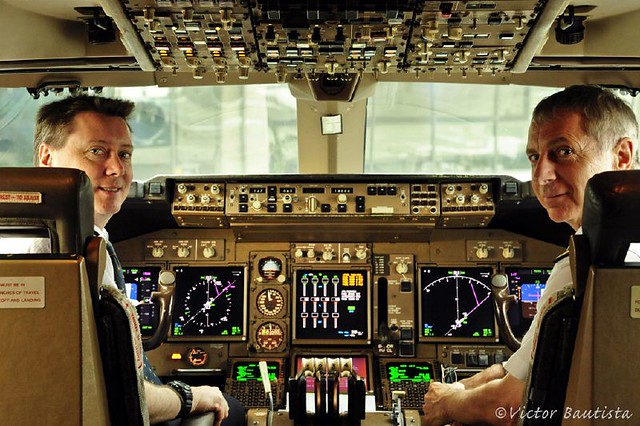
<point>210,303</point>
<point>140,281</point>
<point>456,304</point>
<point>331,306</point>
<point>527,284</point>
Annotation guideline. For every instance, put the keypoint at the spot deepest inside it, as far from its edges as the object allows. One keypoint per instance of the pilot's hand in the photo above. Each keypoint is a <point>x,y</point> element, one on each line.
<point>435,413</point>
<point>208,398</point>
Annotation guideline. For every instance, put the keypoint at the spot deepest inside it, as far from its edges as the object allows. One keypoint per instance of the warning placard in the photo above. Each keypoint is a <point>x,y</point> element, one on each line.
<point>635,301</point>
<point>21,292</point>
<point>20,197</point>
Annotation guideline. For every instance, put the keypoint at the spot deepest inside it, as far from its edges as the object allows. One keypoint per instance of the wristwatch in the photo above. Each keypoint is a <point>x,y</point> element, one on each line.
<point>186,397</point>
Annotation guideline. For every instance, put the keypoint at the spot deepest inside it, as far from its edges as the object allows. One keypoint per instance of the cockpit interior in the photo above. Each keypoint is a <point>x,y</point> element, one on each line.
<point>347,285</point>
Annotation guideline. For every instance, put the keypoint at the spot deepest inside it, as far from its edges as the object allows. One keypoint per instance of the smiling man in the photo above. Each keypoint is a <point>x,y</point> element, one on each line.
<point>574,134</point>
<point>100,145</point>
<point>92,134</point>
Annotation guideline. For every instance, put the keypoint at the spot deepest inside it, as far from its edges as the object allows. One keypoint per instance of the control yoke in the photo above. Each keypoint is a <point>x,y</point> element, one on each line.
<point>502,301</point>
<point>165,300</point>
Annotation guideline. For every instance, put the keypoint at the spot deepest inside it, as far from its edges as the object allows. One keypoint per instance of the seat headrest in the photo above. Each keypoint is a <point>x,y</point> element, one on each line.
<point>610,215</point>
<point>57,199</point>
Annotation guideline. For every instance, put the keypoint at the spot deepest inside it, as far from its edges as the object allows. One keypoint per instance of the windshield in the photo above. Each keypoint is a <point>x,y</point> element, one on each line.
<point>450,128</point>
<point>410,128</point>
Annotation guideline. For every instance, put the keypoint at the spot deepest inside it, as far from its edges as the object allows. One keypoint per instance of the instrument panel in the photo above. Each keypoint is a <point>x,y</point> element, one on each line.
<point>404,288</point>
<point>332,40</point>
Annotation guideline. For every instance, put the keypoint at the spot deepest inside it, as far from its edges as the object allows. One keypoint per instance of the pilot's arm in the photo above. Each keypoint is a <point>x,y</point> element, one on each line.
<point>164,403</point>
<point>495,402</point>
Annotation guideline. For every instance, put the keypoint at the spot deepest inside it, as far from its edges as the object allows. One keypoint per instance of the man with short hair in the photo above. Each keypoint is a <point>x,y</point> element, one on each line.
<point>574,134</point>
<point>92,134</point>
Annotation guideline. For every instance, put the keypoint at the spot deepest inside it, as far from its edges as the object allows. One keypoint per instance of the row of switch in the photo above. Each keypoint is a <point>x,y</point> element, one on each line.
<point>199,208</point>
<point>288,208</point>
<point>473,359</point>
<point>467,209</point>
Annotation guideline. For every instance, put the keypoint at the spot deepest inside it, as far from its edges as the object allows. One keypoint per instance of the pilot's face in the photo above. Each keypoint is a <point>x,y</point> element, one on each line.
<point>563,158</point>
<point>101,146</point>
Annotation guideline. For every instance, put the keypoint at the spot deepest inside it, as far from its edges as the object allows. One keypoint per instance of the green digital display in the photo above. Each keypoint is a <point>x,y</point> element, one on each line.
<point>416,372</point>
<point>247,371</point>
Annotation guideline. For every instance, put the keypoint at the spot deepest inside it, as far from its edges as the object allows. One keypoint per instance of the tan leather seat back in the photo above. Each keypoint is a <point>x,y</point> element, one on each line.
<point>49,355</point>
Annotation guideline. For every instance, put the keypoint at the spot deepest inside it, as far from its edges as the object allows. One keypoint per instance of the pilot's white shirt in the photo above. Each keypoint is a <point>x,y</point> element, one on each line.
<point>108,277</point>
<point>43,245</point>
<point>559,281</point>
<point>24,245</point>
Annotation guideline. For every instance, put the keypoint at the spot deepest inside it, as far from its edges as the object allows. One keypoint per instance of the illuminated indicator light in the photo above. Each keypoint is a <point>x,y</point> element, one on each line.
<point>176,356</point>
<point>351,309</point>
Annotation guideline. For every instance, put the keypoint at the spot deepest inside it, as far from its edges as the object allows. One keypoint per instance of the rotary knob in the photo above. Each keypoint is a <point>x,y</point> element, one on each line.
<point>460,199</point>
<point>205,199</point>
<point>183,251</point>
<point>342,198</point>
<point>482,252</point>
<point>191,198</point>
<point>182,188</point>
<point>298,253</point>
<point>361,253</point>
<point>157,251</point>
<point>209,252</point>
<point>508,252</point>
<point>402,268</point>
<point>327,255</point>
<point>475,199</point>
<point>256,205</point>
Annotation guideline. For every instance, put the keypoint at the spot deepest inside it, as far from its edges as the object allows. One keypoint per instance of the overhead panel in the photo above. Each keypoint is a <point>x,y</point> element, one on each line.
<point>333,40</point>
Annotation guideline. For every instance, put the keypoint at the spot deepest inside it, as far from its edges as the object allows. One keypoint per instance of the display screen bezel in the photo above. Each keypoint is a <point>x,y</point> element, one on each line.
<point>242,294</point>
<point>299,338</point>
<point>440,271</point>
<point>155,270</point>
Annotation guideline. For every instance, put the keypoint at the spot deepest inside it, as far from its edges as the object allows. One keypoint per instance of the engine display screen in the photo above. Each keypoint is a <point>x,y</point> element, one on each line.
<point>527,284</point>
<point>210,303</point>
<point>412,371</point>
<point>140,282</point>
<point>456,303</point>
<point>249,371</point>
<point>331,306</point>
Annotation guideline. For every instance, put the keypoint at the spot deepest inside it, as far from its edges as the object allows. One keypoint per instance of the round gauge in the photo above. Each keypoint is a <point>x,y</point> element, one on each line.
<point>269,336</point>
<point>197,357</point>
<point>270,302</point>
<point>269,267</point>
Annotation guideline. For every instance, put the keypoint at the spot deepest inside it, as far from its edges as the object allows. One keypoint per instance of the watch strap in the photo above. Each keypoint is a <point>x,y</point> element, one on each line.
<point>186,397</point>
